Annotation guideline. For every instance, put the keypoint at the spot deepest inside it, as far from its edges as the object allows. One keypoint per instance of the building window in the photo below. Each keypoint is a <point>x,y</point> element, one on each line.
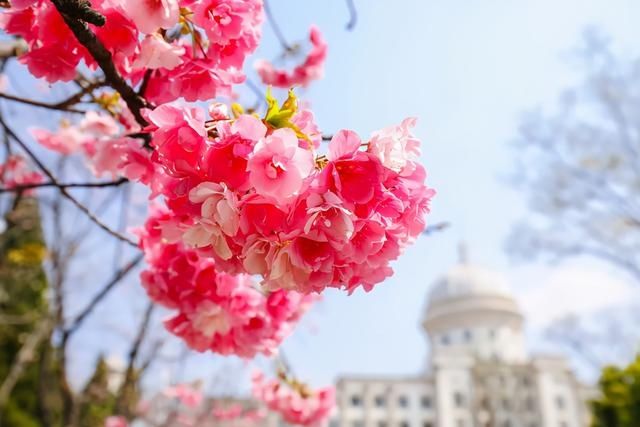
<point>526,382</point>
<point>458,399</point>
<point>425,402</point>
<point>403,401</point>
<point>530,404</point>
<point>380,401</point>
<point>467,335</point>
<point>445,340</point>
<point>356,400</point>
<point>506,404</point>
<point>560,402</point>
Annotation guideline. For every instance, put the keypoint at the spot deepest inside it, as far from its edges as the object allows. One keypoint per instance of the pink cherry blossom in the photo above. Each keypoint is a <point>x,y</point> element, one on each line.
<point>156,53</point>
<point>116,421</point>
<point>15,172</point>
<point>278,166</point>
<point>188,395</point>
<point>150,15</point>
<point>396,147</point>
<point>296,403</point>
<point>312,68</point>
<point>67,140</point>
<point>216,311</point>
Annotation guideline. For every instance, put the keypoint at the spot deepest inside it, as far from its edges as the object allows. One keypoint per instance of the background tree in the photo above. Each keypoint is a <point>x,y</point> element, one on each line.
<point>580,166</point>
<point>26,395</point>
<point>619,403</point>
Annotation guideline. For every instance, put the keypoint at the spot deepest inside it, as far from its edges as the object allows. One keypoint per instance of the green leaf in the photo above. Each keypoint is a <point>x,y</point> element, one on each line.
<point>279,117</point>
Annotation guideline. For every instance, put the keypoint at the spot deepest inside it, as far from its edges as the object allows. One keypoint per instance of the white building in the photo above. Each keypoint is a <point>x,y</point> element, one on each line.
<point>479,374</point>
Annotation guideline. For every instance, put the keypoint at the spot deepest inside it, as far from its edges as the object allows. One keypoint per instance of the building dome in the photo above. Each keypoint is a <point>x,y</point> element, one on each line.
<point>468,280</point>
<point>472,311</point>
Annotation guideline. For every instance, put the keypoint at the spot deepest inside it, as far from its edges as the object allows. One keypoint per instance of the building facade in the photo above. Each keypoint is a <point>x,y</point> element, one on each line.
<point>479,374</point>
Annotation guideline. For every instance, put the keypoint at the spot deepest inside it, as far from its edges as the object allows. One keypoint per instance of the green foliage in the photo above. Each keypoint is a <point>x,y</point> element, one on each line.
<point>23,287</point>
<point>619,403</point>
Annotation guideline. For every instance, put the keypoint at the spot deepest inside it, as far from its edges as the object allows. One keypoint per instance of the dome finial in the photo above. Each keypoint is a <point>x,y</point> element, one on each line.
<point>463,255</point>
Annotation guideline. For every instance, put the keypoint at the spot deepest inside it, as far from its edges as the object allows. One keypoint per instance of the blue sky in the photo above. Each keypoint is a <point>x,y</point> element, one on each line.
<point>467,70</point>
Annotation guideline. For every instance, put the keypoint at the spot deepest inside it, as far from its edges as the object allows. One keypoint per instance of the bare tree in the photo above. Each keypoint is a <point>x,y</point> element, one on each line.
<point>580,166</point>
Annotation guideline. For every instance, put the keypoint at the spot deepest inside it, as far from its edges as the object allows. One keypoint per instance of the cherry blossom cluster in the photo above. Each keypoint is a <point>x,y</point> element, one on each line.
<point>237,412</point>
<point>193,49</point>
<point>107,148</point>
<point>190,408</point>
<point>258,197</point>
<point>312,68</point>
<point>216,311</point>
<point>295,402</point>
<point>15,172</point>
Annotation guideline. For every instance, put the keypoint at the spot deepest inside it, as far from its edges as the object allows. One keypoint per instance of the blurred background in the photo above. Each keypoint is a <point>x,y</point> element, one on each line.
<point>529,115</point>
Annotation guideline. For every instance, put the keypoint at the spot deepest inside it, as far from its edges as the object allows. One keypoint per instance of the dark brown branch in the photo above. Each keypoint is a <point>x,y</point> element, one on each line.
<point>34,103</point>
<point>11,48</point>
<point>276,28</point>
<point>436,227</point>
<point>63,190</point>
<point>130,373</point>
<point>23,187</point>
<point>70,11</point>
<point>117,277</point>
<point>353,15</point>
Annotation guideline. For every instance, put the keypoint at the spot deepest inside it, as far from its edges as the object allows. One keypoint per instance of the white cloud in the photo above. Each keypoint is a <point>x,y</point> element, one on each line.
<point>573,290</point>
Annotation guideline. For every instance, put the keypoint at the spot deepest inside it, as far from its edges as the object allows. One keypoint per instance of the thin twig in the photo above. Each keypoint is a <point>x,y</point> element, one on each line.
<point>117,277</point>
<point>23,187</point>
<point>276,28</point>
<point>41,104</point>
<point>130,373</point>
<point>353,15</point>
<point>436,227</point>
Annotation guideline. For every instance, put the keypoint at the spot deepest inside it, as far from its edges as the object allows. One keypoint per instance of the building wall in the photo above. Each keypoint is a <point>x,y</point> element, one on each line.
<point>466,392</point>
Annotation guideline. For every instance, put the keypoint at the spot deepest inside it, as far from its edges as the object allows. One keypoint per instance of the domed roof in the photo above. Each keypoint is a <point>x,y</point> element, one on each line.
<point>467,280</point>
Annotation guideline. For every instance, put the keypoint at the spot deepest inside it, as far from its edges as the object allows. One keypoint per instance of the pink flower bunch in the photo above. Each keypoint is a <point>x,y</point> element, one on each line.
<point>238,414</point>
<point>116,421</point>
<point>186,394</point>
<point>107,148</point>
<point>312,68</point>
<point>216,311</point>
<point>295,402</point>
<point>165,37</point>
<point>15,172</point>
<point>260,199</point>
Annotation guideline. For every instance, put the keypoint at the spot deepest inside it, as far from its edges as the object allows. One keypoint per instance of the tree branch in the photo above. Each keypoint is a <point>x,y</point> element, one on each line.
<point>23,187</point>
<point>353,15</point>
<point>117,277</point>
<point>130,374</point>
<point>70,10</point>
<point>276,28</point>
